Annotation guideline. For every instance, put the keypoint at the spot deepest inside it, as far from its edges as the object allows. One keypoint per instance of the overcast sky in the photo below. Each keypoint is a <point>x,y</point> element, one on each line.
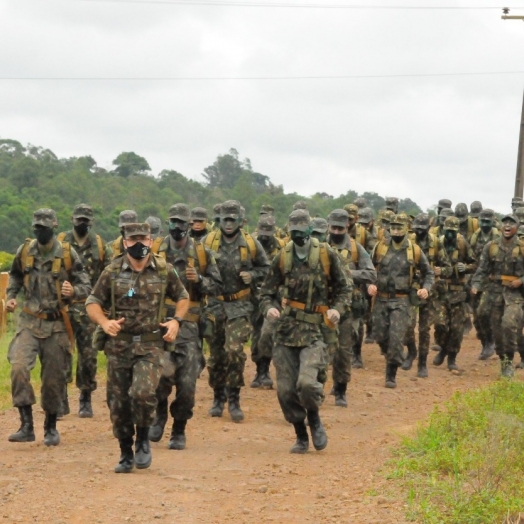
<point>424,138</point>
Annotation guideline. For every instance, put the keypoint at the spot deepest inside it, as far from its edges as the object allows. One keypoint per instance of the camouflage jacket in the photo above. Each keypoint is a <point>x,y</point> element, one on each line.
<point>113,249</point>
<point>362,236</point>
<point>334,292</point>
<point>433,248</point>
<point>479,240</point>
<point>40,293</point>
<point>137,295</point>
<point>501,260</point>
<point>272,249</point>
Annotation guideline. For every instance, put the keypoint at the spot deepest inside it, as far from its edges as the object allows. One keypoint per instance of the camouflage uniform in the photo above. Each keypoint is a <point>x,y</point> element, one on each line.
<point>452,293</point>
<point>467,225</point>
<point>156,226</point>
<point>299,353</point>
<point>443,203</point>
<point>501,262</point>
<point>519,213</point>
<point>438,228</point>
<point>41,330</point>
<point>199,214</point>
<point>357,230</point>
<point>115,248</point>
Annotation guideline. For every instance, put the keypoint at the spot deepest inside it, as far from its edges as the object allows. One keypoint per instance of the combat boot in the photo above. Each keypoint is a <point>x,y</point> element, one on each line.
<point>340,395</point>
<point>452,361</point>
<point>391,376</point>
<point>257,381</point>
<point>265,380</point>
<point>318,433</point>
<point>178,435</point>
<point>86,409</point>
<point>440,357</point>
<point>422,369</point>
<point>302,444</point>
<point>219,399</point>
<point>435,347</point>
<point>26,433</point>
<point>143,457</point>
<point>488,351</point>
<point>356,358</point>
<point>51,435</point>
<point>233,406</point>
<point>157,429</point>
<point>126,462</point>
<point>64,407</point>
<point>412,355</point>
<point>506,368</point>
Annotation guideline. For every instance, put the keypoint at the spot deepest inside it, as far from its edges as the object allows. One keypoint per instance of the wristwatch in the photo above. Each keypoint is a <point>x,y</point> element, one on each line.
<point>178,319</point>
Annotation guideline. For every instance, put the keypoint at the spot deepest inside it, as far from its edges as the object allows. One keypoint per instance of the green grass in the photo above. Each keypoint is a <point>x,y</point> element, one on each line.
<point>467,465</point>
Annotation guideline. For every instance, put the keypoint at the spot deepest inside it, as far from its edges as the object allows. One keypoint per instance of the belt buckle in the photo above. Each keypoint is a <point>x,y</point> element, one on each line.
<point>137,338</point>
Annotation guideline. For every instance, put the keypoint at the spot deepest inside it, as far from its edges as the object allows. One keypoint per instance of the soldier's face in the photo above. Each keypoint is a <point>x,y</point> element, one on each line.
<point>351,220</point>
<point>135,239</point>
<point>230,225</point>
<point>198,225</point>
<point>337,230</point>
<point>509,228</point>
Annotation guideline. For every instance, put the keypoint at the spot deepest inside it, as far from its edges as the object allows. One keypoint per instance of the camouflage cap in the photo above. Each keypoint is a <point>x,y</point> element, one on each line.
<point>231,209</point>
<point>351,210</point>
<point>155,224</point>
<point>128,216</point>
<point>509,217</point>
<point>446,212</point>
<point>451,224</point>
<point>179,212</point>
<point>387,215</point>
<point>137,229</point>
<point>391,201</point>
<point>299,220</point>
<point>45,217</point>
<point>365,215</point>
<point>199,213</point>
<point>83,211</point>
<point>461,212</point>
<point>266,209</point>
<point>475,208</point>
<point>360,202</point>
<point>421,220</point>
<point>519,212</point>
<point>266,225</point>
<point>319,225</point>
<point>216,210</point>
<point>400,219</point>
<point>301,204</point>
<point>338,217</point>
<point>444,203</point>
<point>487,214</point>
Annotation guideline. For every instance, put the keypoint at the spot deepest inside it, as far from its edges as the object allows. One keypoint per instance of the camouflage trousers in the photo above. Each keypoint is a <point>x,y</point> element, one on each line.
<point>298,387</point>
<point>391,321</point>
<point>227,358</point>
<point>506,323</point>
<point>86,364</point>
<point>133,375</point>
<point>347,336</point>
<point>181,368</point>
<point>262,338</point>
<point>449,321</point>
<point>481,320</point>
<point>425,319</point>
<point>54,353</point>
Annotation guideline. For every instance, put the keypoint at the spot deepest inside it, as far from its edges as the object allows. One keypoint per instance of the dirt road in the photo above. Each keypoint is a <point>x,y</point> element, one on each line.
<point>233,472</point>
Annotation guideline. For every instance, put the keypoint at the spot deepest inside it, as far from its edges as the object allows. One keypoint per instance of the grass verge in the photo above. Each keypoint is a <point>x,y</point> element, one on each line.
<point>466,466</point>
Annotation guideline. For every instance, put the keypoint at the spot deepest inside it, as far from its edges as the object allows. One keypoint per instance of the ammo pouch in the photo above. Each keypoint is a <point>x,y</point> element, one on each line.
<point>100,338</point>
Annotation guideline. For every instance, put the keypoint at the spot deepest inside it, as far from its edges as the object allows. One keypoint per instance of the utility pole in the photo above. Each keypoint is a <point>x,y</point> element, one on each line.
<point>519,176</point>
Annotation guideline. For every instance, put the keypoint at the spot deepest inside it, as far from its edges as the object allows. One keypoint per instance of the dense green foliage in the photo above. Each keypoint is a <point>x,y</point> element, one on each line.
<point>34,177</point>
<point>467,465</point>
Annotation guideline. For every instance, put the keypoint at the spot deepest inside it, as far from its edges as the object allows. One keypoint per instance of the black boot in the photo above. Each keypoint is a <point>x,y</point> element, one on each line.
<point>51,435</point>
<point>257,381</point>
<point>143,456</point>
<point>219,399</point>
<point>86,409</point>
<point>435,347</point>
<point>64,408</point>
<point>26,433</point>
<point>440,357</point>
<point>178,435</point>
<point>126,462</point>
<point>318,433</point>
<point>340,395</point>
<point>488,350</point>
<point>452,364</point>
<point>412,355</point>
<point>422,371</point>
<point>391,375</point>
<point>356,358</point>
<point>506,366</point>
<point>265,380</point>
<point>157,429</point>
<point>302,444</point>
<point>233,406</point>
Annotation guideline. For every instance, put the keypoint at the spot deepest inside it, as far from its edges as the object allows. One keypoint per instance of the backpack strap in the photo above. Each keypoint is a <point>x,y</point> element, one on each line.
<point>161,265</point>
<point>28,261</point>
<point>201,257</point>
<point>354,250</point>
<point>360,235</point>
<point>155,246</point>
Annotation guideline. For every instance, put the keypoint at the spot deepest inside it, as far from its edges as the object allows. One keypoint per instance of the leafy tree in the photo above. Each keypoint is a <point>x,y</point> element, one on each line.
<point>128,164</point>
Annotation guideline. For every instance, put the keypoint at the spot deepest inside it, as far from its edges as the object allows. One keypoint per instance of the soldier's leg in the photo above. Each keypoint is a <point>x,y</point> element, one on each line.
<point>381,325</point>
<point>356,360</point>
<point>424,326</point>
<point>22,354</point>
<point>457,317</point>
<point>257,321</point>
<point>441,319</point>
<point>511,326</point>
<point>481,317</point>
<point>410,341</point>
<point>265,350</point>
<point>165,386</point>
<point>399,323</point>
<point>342,360</point>
<point>217,362</point>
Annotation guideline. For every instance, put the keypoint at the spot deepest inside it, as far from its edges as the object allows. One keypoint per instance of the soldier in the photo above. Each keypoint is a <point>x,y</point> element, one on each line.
<point>392,204</point>
<point>51,275</point>
<point>500,275</point>
<point>443,203</point>
<point>361,203</point>
<point>467,224</point>
<point>357,230</point>
<point>516,202</point>
<point>385,224</point>
<point>404,276</point>
<point>300,352</point>
<point>519,213</point>
<point>480,238</point>
<point>438,259</point>
<point>199,226</point>
<point>133,288</point>
<point>199,274</point>
<point>438,230</point>
<point>115,248</point>
<point>366,217</point>
<point>263,330</point>
<point>357,263</point>
<point>319,228</point>
<point>90,248</point>
<point>216,217</point>
<point>156,227</point>
<point>450,304</point>
<point>475,208</point>
<point>243,264</point>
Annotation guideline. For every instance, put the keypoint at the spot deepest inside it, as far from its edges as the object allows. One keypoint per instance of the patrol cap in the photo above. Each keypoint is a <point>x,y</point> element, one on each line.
<point>511,217</point>
<point>128,216</point>
<point>421,220</point>
<point>45,217</point>
<point>451,224</point>
<point>319,225</point>
<point>351,210</point>
<point>487,214</point>
<point>360,202</point>
<point>266,225</point>
<point>299,205</point>
<point>444,203</point>
<point>266,209</point>
<point>446,212</point>
<point>179,212</point>
<point>137,229</point>
<point>199,213</point>
<point>216,210</point>
<point>231,209</point>
<point>391,201</point>
<point>338,217</point>
<point>400,219</point>
<point>83,211</point>
<point>387,215</point>
<point>155,224</point>
<point>365,215</point>
<point>298,220</point>
<point>461,211</point>
<point>475,208</point>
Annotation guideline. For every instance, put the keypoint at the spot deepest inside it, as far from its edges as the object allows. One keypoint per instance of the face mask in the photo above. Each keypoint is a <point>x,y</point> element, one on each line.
<point>43,235</point>
<point>451,236</point>
<point>486,226</point>
<point>421,233</point>
<point>264,239</point>
<point>138,251</point>
<point>198,234</point>
<point>177,233</point>
<point>82,229</point>
<point>299,238</point>
<point>337,238</point>
<point>397,238</point>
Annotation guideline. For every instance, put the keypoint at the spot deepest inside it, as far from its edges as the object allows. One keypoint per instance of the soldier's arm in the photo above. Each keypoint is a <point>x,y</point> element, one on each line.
<point>79,277</point>
<point>341,285</point>
<point>260,263</point>
<point>443,261</point>
<point>478,280</point>
<point>16,276</point>
<point>471,260</point>
<point>176,291</point>
<point>365,274</point>
<point>211,283</point>
<point>270,286</point>
<point>426,272</point>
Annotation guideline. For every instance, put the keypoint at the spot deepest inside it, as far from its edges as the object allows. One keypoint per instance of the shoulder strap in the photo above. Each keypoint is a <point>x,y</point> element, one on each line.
<point>433,248</point>
<point>354,250</point>
<point>201,257</point>
<point>250,241</point>
<point>360,235</point>
<point>61,236</point>
<point>286,258</point>
<point>281,242</point>
<point>324,259</point>
<point>493,250</point>
<point>381,251</point>
<point>28,261</point>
